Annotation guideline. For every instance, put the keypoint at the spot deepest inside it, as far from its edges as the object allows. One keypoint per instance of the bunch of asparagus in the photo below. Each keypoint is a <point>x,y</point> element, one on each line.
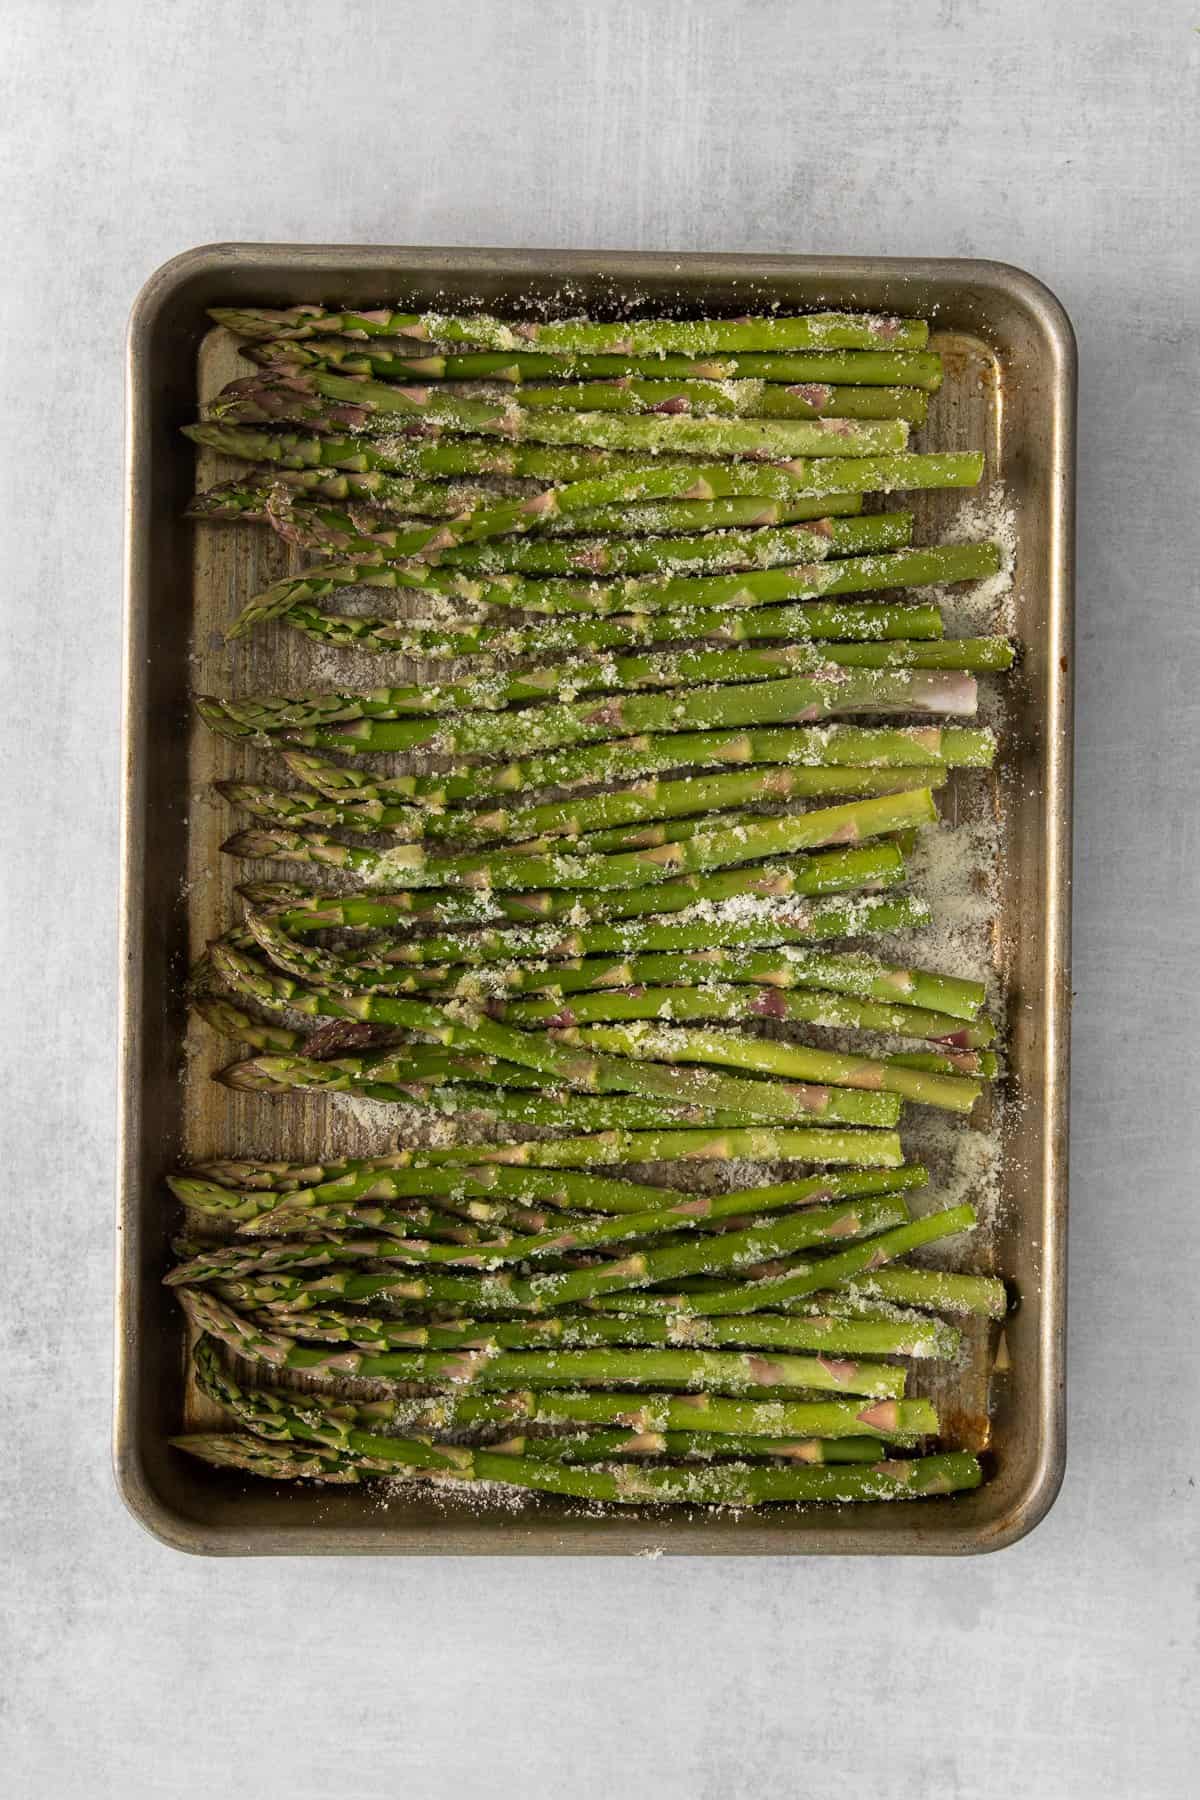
<point>640,538</point>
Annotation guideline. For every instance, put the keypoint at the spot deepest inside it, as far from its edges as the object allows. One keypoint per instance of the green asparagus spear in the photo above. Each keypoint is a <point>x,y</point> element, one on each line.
<point>314,397</point>
<point>412,458</point>
<point>397,361</point>
<point>916,1337</point>
<point>878,1221</point>
<point>806,622</point>
<point>299,910</point>
<point>349,534</point>
<point>633,337</point>
<point>744,1050</point>
<point>624,759</point>
<point>682,594</point>
<point>680,1005</point>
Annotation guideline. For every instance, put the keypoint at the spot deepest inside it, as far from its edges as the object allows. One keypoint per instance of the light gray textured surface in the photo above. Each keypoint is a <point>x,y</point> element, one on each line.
<point>1041,132</point>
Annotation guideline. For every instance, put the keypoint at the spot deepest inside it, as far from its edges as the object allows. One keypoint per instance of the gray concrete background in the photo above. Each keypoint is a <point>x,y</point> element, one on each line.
<point>1050,134</point>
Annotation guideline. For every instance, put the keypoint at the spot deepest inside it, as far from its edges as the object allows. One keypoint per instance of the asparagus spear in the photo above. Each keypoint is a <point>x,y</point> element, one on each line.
<point>704,852</point>
<point>744,1050</point>
<point>397,361</point>
<point>541,827</point>
<point>713,1001</point>
<point>494,1370</point>
<point>551,1107</point>
<point>338,530</point>
<point>876,1220</point>
<point>348,533</point>
<point>284,1413</point>
<point>697,396</point>
<point>286,1071</point>
<point>684,594</point>
<point>850,974</point>
<point>626,759</point>
<point>298,910</point>
<point>448,539</point>
<point>469,1191</point>
<point>413,458</point>
<point>312,396</point>
<point>706,794</point>
<point>828,1271</point>
<point>704,398</point>
<point>484,1189</point>
<point>634,337</point>
<point>853,973</point>
<point>918,1337</point>
<point>594,1446</point>
<point>259,493</point>
<point>370,721</point>
<point>763,1101</point>
<point>232,1021</point>
<point>644,1209</point>
<point>803,621</point>
<point>629,1483</point>
<point>497,690</point>
<point>646,390</point>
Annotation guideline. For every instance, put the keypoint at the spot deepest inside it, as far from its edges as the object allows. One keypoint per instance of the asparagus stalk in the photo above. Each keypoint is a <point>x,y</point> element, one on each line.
<point>807,622</point>
<point>703,398</point>
<point>896,747</point>
<point>283,1072</point>
<point>852,973</point>
<point>233,1022</point>
<point>346,532</point>
<point>639,1210</point>
<point>681,1005</point>
<point>352,720</point>
<point>681,594</point>
<point>783,967</point>
<point>787,968</point>
<point>646,390</point>
<point>633,337</point>
<point>336,531</point>
<point>484,1190</point>
<point>705,852</point>
<point>627,1483</point>
<point>315,397</point>
<point>260,494</point>
<point>935,1290</point>
<point>468,1191</point>
<point>397,361</point>
<point>829,1271</point>
<point>919,1338</point>
<point>497,690</point>
<point>450,538</point>
<point>551,1107</point>
<point>298,910</point>
<point>762,1101</point>
<point>494,1370</point>
<point>595,1446</point>
<point>414,458</point>
<point>280,1414</point>
<point>939,1289</point>
<point>766,1056</point>
<point>540,826</point>
<point>498,1290</point>
<point>706,794</point>
<point>744,399</point>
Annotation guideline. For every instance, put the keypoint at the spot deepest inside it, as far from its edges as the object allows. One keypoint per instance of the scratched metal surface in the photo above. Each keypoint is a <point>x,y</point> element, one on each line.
<point>1001,392</point>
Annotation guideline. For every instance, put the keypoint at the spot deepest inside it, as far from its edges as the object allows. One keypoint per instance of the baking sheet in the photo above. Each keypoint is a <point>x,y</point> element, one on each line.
<point>1009,389</point>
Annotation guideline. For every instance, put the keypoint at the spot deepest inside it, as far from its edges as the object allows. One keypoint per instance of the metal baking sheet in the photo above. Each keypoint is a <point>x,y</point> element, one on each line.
<point>1010,388</point>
